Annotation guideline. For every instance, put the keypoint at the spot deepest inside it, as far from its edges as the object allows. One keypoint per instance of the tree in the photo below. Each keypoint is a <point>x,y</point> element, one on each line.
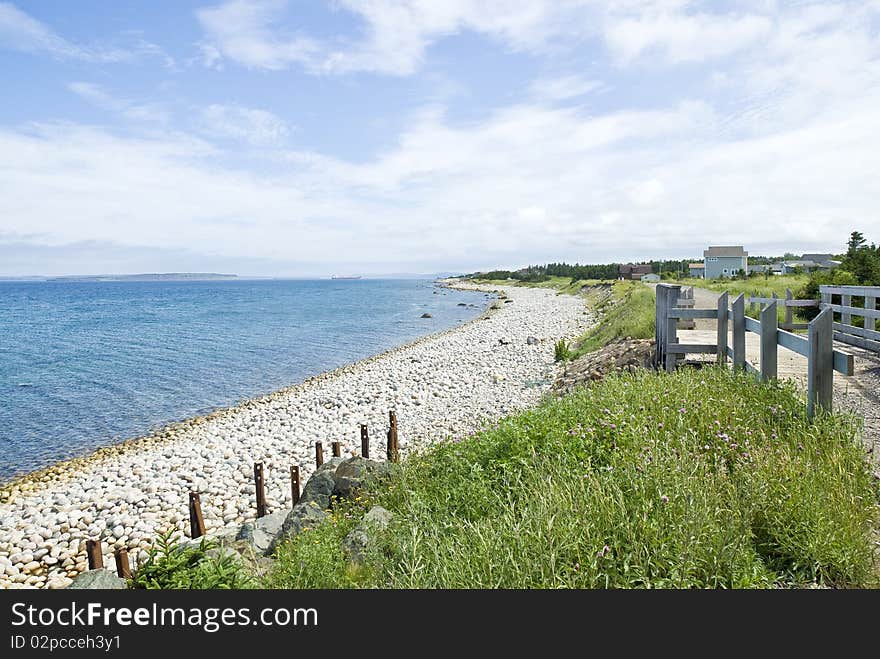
<point>856,242</point>
<point>862,260</point>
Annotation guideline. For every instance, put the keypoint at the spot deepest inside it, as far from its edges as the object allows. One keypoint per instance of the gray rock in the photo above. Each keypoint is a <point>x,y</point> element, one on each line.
<point>532,341</point>
<point>427,315</point>
<point>354,473</point>
<point>262,532</point>
<point>303,515</point>
<point>98,580</point>
<point>357,543</point>
<point>318,489</point>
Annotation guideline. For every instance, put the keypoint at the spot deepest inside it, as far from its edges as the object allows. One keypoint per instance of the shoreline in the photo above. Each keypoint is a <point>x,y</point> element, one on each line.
<point>442,385</point>
<point>31,480</point>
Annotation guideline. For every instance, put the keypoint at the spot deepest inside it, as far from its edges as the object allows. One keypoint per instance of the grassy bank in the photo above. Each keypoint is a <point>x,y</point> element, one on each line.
<point>696,479</point>
<point>628,312</point>
<point>562,285</point>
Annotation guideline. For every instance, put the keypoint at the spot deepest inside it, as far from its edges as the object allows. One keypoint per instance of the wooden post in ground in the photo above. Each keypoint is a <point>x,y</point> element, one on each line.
<point>196,521</point>
<point>659,326</point>
<point>769,326</point>
<point>260,483</point>
<point>95,554</point>
<point>722,329</point>
<point>123,569</point>
<point>337,449</point>
<point>673,291</point>
<point>739,333</point>
<point>820,364</point>
<point>391,444</point>
<point>365,442</point>
<point>294,484</point>
<point>789,320</point>
<point>319,454</point>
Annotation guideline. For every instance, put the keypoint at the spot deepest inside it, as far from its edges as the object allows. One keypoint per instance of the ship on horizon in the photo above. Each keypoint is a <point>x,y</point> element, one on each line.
<point>346,277</point>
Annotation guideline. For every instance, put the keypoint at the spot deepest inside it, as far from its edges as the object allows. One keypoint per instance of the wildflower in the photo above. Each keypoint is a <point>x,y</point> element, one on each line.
<point>682,410</point>
<point>614,426</point>
<point>664,499</point>
<point>609,468</point>
<point>577,566</point>
<point>602,552</point>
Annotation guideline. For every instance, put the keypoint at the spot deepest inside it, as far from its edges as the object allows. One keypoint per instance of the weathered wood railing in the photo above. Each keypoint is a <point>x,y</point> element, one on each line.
<point>866,336</point>
<point>789,303</point>
<point>817,346</point>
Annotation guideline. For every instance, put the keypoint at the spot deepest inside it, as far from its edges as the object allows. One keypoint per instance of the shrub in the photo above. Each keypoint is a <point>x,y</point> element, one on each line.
<point>170,566</point>
<point>561,351</point>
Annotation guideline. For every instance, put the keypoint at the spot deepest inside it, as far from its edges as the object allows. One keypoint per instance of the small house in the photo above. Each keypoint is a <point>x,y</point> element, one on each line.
<point>697,270</point>
<point>634,272</point>
<point>651,278</point>
<point>725,261</point>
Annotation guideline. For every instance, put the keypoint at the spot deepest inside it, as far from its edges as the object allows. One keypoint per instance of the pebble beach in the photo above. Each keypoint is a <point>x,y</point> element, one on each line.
<point>443,386</point>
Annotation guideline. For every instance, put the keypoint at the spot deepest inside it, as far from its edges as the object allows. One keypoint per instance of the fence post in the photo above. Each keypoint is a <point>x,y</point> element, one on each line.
<point>659,329</point>
<point>846,301</point>
<point>789,319</point>
<point>722,329</point>
<point>123,568</point>
<point>95,554</point>
<point>196,521</point>
<point>870,303</point>
<point>294,485</point>
<point>260,484</point>
<point>337,449</point>
<point>820,373</point>
<point>319,454</point>
<point>365,442</point>
<point>769,325</point>
<point>672,294</point>
<point>739,333</point>
<point>391,446</point>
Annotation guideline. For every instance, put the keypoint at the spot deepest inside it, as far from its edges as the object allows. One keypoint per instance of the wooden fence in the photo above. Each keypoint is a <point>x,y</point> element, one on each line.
<point>866,336</point>
<point>817,346</point>
<point>789,303</point>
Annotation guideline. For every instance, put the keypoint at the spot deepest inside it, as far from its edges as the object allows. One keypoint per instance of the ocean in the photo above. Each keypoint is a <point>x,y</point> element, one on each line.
<point>88,364</point>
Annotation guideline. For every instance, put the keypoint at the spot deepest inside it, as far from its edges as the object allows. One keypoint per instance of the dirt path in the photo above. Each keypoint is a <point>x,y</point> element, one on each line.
<point>859,394</point>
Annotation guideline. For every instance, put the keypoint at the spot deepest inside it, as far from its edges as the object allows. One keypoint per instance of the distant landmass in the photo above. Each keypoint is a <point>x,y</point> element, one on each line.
<point>151,276</point>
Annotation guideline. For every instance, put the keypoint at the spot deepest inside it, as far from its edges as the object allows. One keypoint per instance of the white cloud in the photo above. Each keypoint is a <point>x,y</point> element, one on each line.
<point>21,32</point>
<point>97,96</point>
<point>564,87</point>
<point>257,127</point>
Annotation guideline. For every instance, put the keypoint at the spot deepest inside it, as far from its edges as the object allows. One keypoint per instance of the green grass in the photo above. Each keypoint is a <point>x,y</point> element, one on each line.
<point>757,287</point>
<point>690,480</point>
<point>562,285</point>
<point>628,313</point>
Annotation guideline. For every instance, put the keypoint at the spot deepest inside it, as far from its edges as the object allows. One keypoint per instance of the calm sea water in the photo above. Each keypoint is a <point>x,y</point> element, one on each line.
<point>86,364</point>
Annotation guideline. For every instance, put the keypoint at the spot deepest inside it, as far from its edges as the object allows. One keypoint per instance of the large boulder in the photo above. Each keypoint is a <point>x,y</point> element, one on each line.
<point>261,533</point>
<point>358,542</point>
<point>304,515</point>
<point>98,580</point>
<point>352,474</point>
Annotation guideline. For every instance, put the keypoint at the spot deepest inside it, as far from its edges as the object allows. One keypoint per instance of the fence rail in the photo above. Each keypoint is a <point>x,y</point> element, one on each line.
<point>845,331</point>
<point>817,346</point>
<point>789,303</point>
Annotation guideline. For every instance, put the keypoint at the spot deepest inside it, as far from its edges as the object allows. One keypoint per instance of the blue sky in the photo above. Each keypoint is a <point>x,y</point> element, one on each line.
<point>274,137</point>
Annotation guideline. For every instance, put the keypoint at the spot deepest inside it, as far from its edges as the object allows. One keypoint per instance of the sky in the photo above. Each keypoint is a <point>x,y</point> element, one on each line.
<point>309,137</point>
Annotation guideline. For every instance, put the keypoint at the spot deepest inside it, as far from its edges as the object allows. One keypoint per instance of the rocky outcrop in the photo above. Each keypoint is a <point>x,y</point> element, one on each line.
<point>357,543</point>
<point>98,580</point>
<point>623,355</point>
